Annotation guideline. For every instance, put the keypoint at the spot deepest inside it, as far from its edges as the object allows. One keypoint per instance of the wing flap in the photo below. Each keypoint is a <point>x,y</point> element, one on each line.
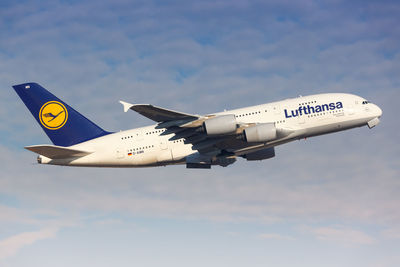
<point>57,152</point>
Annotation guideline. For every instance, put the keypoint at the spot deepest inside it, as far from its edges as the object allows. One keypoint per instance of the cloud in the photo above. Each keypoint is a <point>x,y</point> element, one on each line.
<point>345,236</point>
<point>201,58</point>
<point>275,236</point>
<point>11,245</point>
<point>391,233</point>
<point>312,189</point>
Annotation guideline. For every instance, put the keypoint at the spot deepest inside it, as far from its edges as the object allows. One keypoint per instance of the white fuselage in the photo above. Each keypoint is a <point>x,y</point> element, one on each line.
<point>302,117</point>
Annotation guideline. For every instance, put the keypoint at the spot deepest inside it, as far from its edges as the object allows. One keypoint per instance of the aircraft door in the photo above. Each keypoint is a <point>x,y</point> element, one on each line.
<point>350,110</point>
<point>300,119</point>
<point>163,144</point>
<point>276,109</point>
<point>165,153</point>
<point>138,135</point>
<point>119,153</point>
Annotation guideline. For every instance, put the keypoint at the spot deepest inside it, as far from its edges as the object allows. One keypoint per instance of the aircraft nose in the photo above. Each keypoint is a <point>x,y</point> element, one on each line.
<point>378,111</point>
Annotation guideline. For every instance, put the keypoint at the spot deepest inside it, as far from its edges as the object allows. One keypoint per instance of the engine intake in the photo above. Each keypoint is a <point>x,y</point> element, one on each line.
<point>262,132</point>
<point>220,125</point>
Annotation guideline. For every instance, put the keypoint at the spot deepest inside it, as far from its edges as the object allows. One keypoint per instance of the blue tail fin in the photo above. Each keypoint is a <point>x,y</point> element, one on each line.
<point>62,124</point>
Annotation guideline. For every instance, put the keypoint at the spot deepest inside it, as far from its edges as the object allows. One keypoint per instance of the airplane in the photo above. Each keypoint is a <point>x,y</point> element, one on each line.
<point>197,141</point>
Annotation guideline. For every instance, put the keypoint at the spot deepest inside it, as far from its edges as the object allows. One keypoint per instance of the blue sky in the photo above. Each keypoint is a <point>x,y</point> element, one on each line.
<point>327,201</point>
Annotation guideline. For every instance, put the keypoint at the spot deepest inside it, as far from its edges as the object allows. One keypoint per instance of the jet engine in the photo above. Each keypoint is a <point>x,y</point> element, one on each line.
<point>220,125</point>
<point>262,132</point>
<point>266,153</point>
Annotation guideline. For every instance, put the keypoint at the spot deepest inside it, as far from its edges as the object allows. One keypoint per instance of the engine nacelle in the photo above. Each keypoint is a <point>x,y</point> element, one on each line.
<point>262,132</point>
<point>261,154</point>
<point>220,125</point>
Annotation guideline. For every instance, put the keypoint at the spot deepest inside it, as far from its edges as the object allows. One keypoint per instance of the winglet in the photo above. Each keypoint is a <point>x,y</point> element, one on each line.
<point>126,105</point>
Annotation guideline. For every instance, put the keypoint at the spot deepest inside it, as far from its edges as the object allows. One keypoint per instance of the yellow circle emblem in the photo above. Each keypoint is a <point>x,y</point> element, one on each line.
<point>53,115</point>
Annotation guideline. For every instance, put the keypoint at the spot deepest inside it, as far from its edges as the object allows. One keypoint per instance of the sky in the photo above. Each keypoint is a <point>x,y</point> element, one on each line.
<point>331,200</point>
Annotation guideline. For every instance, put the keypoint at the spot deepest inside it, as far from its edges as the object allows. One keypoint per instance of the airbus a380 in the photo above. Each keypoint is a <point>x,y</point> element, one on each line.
<point>198,141</point>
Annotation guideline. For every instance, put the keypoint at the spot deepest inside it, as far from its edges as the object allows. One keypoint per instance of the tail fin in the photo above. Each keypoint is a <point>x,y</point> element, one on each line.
<point>62,124</point>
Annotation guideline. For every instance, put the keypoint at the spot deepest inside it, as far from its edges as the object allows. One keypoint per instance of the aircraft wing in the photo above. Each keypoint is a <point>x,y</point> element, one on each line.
<point>203,132</point>
<point>156,113</point>
<point>188,127</point>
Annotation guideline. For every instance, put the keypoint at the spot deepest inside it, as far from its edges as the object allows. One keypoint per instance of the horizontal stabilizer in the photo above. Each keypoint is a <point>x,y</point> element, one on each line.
<point>57,152</point>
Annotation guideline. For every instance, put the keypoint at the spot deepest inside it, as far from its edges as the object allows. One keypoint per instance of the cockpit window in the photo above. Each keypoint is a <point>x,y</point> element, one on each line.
<point>365,102</point>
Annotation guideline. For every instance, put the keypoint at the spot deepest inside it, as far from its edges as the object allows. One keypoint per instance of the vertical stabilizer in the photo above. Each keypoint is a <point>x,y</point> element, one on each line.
<point>62,124</point>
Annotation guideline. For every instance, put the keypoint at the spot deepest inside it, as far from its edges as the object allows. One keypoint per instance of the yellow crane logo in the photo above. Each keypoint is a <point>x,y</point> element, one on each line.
<point>53,115</point>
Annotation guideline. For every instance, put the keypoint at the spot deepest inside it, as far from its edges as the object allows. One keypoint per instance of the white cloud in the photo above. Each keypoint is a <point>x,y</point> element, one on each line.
<point>391,233</point>
<point>345,236</point>
<point>275,236</point>
<point>11,245</point>
<point>11,214</point>
<point>92,54</point>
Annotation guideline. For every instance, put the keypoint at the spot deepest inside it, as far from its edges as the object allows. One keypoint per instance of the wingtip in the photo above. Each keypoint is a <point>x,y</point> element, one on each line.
<point>126,105</point>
